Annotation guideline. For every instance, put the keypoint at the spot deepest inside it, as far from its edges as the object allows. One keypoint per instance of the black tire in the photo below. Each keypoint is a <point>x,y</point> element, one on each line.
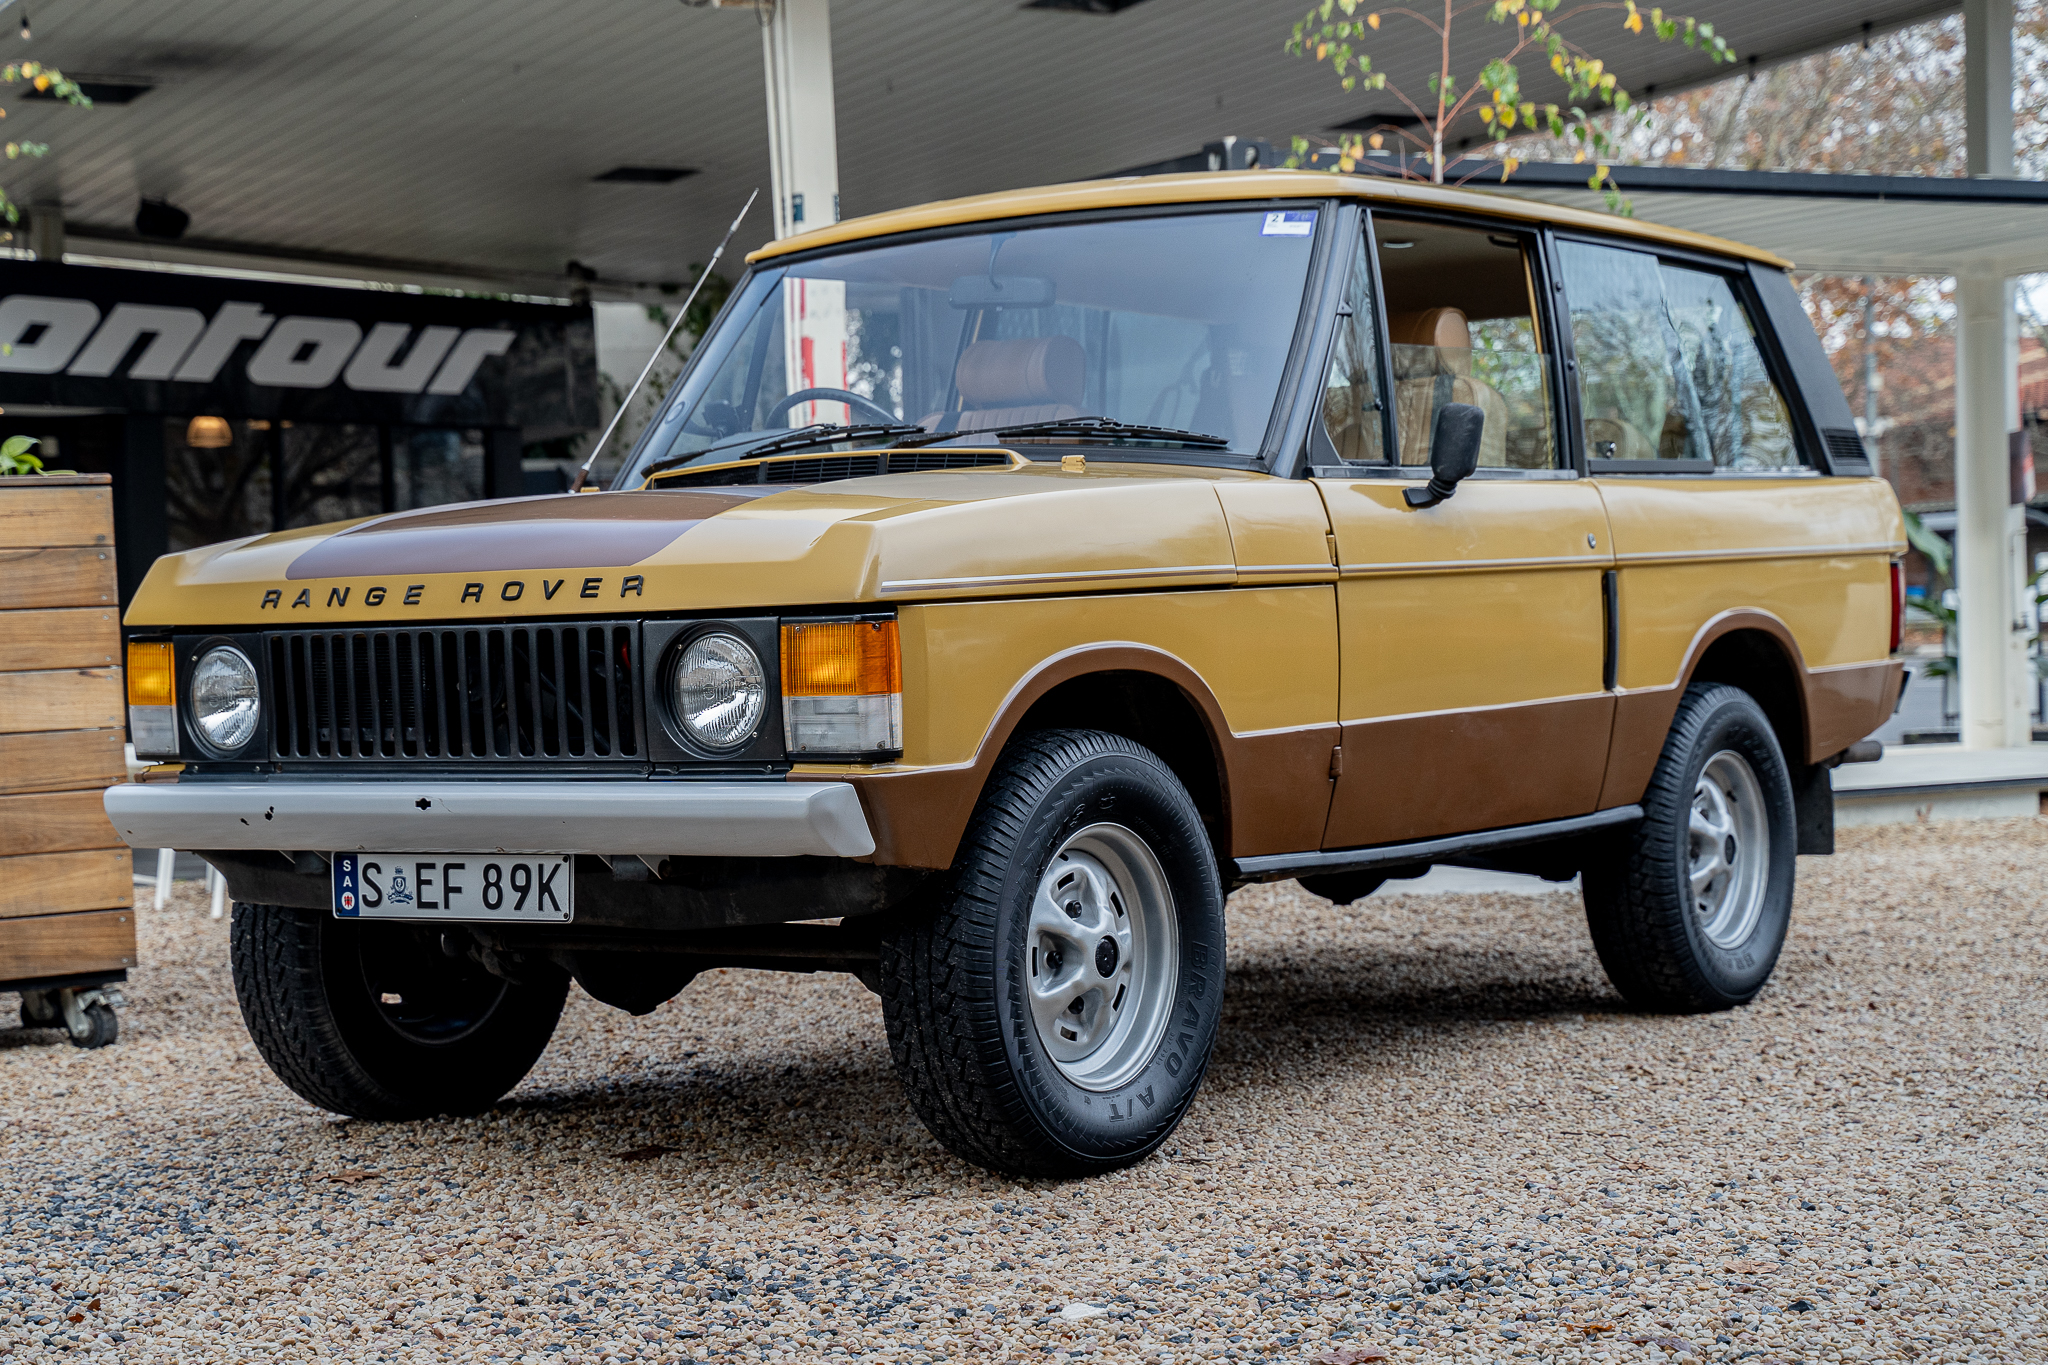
<point>101,1027</point>
<point>1654,936</point>
<point>956,979</point>
<point>314,988</point>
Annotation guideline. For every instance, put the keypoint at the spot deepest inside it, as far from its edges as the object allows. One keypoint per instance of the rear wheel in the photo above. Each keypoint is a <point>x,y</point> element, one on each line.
<point>1689,910</point>
<point>1054,1013</point>
<point>376,1021</point>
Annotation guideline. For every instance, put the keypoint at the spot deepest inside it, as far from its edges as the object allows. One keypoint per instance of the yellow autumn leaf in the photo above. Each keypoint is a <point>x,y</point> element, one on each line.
<point>1375,142</point>
<point>1485,114</point>
<point>42,82</point>
<point>1322,51</point>
<point>1373,20</point>
<point>1346,164</point>
<point>1634,22</point>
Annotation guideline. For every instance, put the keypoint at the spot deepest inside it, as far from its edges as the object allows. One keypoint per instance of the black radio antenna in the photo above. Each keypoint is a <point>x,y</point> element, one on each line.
<point>583,474</point>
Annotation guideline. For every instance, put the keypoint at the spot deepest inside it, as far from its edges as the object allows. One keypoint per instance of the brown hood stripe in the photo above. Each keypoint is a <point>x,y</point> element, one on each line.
<point>575,531</point>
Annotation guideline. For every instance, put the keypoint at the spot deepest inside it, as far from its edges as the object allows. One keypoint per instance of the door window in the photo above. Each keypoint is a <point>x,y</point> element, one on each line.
<point>1669,366</point>
<point>1462,328</point>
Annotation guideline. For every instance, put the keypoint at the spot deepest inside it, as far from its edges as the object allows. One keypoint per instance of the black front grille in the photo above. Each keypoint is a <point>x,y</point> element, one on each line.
<point>510,694</point>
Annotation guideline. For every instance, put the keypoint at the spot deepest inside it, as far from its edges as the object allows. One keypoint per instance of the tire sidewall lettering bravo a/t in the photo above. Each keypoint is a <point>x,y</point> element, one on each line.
<point>1118,788</point>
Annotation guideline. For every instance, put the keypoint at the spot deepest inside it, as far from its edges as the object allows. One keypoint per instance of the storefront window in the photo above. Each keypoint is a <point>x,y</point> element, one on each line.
<point>429,468</point>
<point>215,493</point>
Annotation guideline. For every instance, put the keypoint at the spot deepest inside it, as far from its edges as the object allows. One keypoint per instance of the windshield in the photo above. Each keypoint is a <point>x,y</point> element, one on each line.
<point>1178,323</point>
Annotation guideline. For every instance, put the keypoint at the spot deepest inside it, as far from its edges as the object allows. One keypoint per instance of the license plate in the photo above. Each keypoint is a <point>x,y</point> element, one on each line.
<point>455,886</point>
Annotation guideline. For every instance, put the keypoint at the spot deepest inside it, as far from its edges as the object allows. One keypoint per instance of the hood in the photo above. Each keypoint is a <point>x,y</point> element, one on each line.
<point>1038,528</point>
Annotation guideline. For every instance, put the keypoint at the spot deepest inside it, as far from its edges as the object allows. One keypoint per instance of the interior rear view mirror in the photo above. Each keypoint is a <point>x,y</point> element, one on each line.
<point>1001,291</point>
<point>1453,453</point>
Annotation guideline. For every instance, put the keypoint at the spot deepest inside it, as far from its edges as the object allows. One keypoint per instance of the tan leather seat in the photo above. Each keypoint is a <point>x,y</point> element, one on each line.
<point>1432,354</point>
<point>1010,383</point>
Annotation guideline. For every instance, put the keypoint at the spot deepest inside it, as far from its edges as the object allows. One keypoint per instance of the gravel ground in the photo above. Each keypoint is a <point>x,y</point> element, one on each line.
<point>1431,1133</point>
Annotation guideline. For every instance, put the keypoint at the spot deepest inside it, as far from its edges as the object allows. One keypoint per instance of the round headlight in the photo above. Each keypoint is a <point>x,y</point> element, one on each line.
<point>225,704</point>
<point>719,690</point>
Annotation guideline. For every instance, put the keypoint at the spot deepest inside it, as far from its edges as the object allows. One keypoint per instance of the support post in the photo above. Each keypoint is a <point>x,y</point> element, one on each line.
<point>140,496</point>
<point>803,131</point>
<point>1990,529</point>
<point>46,232</point>
<point>503,476</point>
<point>1992,652</point>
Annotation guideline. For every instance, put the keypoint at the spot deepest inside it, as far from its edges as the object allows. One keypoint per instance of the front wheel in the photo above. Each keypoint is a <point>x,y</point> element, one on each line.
<point>378,1021</point>
<point>1054,1012</point>
<point>1689,909</point>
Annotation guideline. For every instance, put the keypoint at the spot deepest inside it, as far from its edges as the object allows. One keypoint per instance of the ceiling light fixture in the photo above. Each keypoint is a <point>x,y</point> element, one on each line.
<point>209,433</point>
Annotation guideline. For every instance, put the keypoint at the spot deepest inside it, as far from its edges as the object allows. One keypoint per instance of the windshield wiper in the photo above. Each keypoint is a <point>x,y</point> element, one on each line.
<point>1095,428</point>
<point>798,438</point>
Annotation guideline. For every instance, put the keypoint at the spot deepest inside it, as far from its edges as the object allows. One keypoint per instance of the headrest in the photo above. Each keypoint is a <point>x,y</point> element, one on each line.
<point>1021,372</point>
<point>1431,342</point>
<point>1441,327</point>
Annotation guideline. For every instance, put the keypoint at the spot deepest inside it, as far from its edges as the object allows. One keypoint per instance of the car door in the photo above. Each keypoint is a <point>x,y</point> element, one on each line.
<point>1472,633</point>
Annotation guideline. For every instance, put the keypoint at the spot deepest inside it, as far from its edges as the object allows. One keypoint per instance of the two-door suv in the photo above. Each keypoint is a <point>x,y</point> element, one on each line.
<point>1005,581</point>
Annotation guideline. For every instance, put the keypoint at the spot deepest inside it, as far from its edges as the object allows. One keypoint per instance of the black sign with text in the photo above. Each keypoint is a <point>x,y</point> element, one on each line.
<point>147,341</point>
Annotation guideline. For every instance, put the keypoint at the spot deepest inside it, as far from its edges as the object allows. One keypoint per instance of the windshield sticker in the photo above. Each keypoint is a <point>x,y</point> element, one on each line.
<point>1289,223</point>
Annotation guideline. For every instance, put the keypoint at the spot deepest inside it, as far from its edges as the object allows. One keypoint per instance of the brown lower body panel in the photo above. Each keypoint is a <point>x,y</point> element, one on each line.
<point>1842,705</point>
<point>1415,777</point>
<point>66,945</point>
<point>1276,797</point>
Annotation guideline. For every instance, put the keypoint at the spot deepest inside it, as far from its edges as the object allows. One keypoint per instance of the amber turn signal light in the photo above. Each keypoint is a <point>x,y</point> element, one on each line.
<point>152,700</point>
<point>841,659</point>
<point>149,675</point>
<point>842,688</point>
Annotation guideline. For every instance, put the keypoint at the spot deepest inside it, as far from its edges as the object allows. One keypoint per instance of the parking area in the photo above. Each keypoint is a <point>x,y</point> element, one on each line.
<point>1430,1133</point>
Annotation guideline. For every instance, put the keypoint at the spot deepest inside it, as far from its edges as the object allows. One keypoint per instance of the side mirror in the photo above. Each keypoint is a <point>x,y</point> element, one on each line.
<point>1453,453</point>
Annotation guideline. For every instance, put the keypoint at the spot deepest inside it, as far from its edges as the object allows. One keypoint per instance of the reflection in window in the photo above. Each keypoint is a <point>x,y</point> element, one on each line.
<point>1351,401</point>
<point>1179,321</point>
<point>1669,366</point>
<point>216,493</point>
<point>430,467</point>
<point>331,473</point>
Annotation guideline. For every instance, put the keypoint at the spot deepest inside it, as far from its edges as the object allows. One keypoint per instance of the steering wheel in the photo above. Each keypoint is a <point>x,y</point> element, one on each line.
<point>865,407</point>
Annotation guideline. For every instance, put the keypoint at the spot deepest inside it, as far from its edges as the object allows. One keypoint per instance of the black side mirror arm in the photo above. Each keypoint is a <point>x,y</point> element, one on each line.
<point>1453,453</point>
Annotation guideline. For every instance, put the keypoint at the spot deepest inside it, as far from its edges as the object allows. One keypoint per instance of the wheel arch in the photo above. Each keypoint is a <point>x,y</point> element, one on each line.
<point>1143,693</point>
<point>1756,652</point>
<point>1747,648</point>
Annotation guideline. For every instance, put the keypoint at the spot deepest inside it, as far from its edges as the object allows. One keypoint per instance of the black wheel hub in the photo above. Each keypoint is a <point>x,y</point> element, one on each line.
<point>425,994</point>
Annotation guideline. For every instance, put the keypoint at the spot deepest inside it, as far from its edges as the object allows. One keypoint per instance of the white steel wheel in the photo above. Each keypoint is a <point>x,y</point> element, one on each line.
<point>1689,906</point>
<point>1104,949</point>
<point>1728,864</point>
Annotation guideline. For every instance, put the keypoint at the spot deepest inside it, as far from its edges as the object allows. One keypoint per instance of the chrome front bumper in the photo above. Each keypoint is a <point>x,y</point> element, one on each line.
<point>745,819</point>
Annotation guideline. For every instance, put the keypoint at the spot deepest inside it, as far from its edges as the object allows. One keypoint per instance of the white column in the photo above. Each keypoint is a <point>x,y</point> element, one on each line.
<point>803,133</point>
<point>1992,652</point>
<point>1990,530</point>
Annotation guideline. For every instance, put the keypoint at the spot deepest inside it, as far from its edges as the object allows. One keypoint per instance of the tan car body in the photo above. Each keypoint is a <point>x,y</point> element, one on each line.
<point>1325,666</point>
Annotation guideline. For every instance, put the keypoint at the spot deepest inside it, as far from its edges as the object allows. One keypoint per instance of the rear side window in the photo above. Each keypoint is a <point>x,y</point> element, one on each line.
<point>1669,368</point>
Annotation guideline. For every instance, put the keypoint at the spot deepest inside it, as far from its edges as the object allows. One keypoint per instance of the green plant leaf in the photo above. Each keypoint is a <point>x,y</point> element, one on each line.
<point>1929,544</point>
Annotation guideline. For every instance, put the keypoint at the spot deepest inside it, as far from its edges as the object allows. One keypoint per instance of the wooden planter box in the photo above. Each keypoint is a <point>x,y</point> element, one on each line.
<point>67,891</point>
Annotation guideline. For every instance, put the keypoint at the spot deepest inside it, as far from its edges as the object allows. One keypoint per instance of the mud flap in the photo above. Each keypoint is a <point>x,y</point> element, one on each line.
<point>1813,807</point>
